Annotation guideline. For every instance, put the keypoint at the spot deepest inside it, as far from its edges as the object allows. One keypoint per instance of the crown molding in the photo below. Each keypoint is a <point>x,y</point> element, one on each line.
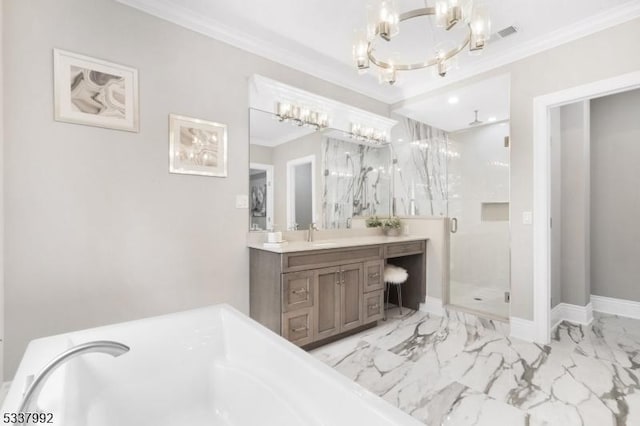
<point>322,67</point>
<point>331,70</point>
<point>580,29</point>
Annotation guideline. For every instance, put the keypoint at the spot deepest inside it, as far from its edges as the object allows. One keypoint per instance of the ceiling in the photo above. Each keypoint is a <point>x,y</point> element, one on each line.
<point>315,36</point>
<point>454,110</point>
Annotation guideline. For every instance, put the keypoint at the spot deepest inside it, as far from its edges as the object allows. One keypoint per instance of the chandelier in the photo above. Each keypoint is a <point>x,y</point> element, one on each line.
<point>383,22</point>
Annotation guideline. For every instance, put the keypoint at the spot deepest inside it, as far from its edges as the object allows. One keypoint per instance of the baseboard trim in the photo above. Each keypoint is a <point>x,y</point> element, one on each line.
<point>573,313</point>
<point>432,306</point>
<point>610,305</point>
<point>523,329</point>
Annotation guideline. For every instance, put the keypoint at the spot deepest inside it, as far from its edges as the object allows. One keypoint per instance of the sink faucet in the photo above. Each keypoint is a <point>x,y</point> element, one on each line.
<point>312,227</point>
<point>34,384</point>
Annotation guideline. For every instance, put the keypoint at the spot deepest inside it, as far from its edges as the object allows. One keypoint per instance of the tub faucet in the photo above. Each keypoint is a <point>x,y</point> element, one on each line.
<point>35,383</point>
<point>312,227</point>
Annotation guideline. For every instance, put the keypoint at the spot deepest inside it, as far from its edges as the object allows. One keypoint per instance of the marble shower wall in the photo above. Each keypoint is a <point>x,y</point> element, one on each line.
<point>356,182</point>
<point>420,161</point>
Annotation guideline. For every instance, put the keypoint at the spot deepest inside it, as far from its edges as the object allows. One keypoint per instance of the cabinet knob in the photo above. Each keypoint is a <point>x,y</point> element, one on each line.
<point>376,306</point>
<point>298,330</point>
<point>376,275</point>
<point>300,291</point>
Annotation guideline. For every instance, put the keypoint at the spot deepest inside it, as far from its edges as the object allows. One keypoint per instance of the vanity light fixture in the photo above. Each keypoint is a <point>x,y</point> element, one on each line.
<point>368,134</point>
<point>384,21</point>
<point>301,115</point>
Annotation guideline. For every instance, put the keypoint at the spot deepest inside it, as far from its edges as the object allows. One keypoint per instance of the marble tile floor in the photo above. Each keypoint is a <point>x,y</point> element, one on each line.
<point>447,371</point>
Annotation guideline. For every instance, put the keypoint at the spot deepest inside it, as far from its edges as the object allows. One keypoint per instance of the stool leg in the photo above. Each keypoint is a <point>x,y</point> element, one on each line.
<point>399,286</point>
<point>386,300</point>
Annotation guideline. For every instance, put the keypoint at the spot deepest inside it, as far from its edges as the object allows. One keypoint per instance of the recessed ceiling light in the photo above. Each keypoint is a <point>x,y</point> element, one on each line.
<point>491,119</point>
<point>453,100</point>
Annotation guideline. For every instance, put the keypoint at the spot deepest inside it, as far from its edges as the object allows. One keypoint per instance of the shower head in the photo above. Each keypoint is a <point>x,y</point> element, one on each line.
<point>475,122</point>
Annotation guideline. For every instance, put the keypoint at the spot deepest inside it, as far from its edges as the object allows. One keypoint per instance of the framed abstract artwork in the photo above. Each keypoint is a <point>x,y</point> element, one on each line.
<point>94,92</point>
<point>197,147</point>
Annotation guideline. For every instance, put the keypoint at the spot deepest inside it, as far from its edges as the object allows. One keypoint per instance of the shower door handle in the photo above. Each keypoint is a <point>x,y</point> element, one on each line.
<point>454,225</point>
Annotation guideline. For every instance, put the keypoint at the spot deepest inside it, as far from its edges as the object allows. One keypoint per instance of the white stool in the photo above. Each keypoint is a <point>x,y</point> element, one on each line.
<point>396,276</point>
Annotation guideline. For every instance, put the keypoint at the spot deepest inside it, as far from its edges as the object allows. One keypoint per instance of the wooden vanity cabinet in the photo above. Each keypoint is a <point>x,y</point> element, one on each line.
<point>313,296</point>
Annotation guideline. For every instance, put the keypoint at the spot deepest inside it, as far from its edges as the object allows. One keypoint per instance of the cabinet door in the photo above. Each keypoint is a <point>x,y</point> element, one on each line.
<point>373,275</point>
<point>373,306</point>
<point>297,290</point>
<point>351,296</point>
<point>327,303</point>
<point>297,326</point>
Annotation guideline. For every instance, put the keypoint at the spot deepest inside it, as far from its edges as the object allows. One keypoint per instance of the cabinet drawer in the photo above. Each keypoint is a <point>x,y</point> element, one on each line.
<point>297,290</point>
<point>373,306</point>
<point>325,258</point>
<point>403,249</point>
<point>297,326</point>
<point>373,275</point>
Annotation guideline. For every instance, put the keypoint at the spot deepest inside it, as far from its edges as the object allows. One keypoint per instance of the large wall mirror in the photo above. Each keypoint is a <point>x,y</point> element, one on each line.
<point>300,176</point>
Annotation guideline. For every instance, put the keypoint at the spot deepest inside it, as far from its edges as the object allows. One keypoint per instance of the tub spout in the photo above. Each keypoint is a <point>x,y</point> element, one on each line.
<point>102,346</point>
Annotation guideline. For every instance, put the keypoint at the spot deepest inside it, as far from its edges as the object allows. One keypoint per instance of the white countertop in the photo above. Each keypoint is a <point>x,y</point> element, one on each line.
<point>334,243</point>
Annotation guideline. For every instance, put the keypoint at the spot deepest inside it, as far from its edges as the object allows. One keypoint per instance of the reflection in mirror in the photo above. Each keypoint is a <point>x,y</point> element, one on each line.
<point>357,180</point>
<point>301,192</point>
<point>289,153</point>
<point>300,176</point>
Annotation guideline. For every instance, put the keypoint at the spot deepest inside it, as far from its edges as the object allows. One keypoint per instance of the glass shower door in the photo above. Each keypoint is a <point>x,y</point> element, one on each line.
<point>478,211</point>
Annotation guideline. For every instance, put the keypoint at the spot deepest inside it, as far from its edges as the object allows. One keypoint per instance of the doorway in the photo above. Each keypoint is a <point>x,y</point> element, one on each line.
<point>542,223</point>
<point>301,194</point>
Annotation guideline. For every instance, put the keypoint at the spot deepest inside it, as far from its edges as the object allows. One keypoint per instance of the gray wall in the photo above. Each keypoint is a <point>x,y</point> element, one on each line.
<point>570,205</point>
<point>2,297</point>
<point>615,207</point>
<point>97,230</point>
<point>303,195</point>
<point>595,57</point>
<point>574,143</point>
<point>555,133</point>
<point>305,146</point>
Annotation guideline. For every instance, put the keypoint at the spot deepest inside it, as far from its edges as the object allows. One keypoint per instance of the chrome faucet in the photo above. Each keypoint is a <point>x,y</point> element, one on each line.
<point>312,227</point>
<point>35,383</point>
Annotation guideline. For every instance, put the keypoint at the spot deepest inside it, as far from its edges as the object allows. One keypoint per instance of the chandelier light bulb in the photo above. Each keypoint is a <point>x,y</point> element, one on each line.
<point>480,28</point>
<point>383,22</point>
<point>388,26</point>
<point>360,47</point>
<point>442,8</point>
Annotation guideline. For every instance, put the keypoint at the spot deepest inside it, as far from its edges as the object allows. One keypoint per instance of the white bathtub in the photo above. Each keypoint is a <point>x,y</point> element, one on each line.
<point>210,366</point>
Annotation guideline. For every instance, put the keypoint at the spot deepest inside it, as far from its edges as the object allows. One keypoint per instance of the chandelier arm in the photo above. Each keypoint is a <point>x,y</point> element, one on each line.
<point>417,65</point>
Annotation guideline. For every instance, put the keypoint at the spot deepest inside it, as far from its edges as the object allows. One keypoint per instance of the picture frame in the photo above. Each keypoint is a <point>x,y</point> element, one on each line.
<point>197,147</point>
<point>95,92</point>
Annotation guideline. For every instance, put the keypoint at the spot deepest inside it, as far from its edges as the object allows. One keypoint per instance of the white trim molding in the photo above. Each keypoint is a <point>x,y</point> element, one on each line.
<point>573,313</point>
<point>621,307</point>
<point>432,306</point>
<point>542,190</point>
<point>295,55</point>
<point>523,329</point>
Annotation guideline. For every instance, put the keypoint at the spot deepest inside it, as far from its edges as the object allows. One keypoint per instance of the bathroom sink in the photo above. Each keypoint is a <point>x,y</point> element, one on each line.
<point>323,244</point>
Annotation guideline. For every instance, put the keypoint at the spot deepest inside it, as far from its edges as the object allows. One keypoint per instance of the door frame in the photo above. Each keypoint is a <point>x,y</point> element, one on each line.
<point>542,186</point>
<point>291,197</point>
<point>268,169</point>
